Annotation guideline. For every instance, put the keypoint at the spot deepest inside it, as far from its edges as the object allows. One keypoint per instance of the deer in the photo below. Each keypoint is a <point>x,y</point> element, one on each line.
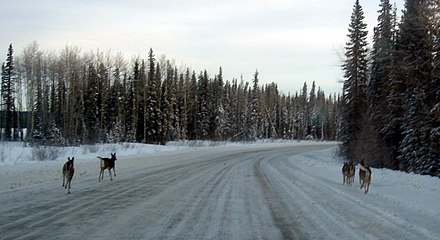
<point>364,176</point>
<point>348,172</point>
<point>68,171</point>
<point>107,163</point>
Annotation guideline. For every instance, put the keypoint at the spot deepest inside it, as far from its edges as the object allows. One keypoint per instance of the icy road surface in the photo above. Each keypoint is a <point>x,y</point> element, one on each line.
<point>276,191</point>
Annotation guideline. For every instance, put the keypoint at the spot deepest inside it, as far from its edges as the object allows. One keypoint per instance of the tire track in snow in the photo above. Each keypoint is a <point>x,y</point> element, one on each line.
<point>193,210</point>
<point>228,195</point>
<point>204,207</point>
<point>96,199</point>
<point>350,212</point>
<point>283,221</point>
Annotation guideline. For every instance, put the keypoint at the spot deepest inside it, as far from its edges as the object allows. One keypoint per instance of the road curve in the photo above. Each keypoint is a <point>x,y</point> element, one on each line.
<point>208,194</point>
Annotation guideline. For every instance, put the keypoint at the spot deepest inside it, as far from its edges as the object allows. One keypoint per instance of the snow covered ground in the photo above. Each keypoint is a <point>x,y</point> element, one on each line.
<point>278,190</point>
<point>20,165</point>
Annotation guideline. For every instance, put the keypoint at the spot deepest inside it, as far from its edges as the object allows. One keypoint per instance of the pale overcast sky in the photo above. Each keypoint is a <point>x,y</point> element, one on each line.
<point>289,41</point>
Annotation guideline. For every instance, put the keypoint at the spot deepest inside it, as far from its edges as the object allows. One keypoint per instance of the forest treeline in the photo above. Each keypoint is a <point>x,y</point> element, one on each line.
<point>388,114</point>
<point>391,96</point>
<point>96,97</point>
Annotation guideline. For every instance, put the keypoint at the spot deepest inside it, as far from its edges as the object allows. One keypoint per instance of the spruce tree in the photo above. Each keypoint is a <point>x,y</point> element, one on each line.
<point>153,121</point>
<point>382,62</point>
<point>129,111</point>
<point>414,151</point>
<point>380,78</point>
<point>7,92</point>
<point>139,99</point>
<point>182,105</point>
<point>255,110</point>
<point>311,112</point>
<point>415,61</point>
<point>102,101</point>
<point>355,68</point>
<point>219,116</point>
<point>168,103</point>
<point>193,105</point>
<point>203,114</point>
<point>434,96</point>
<point>91,103</point>
<point>303,116</point>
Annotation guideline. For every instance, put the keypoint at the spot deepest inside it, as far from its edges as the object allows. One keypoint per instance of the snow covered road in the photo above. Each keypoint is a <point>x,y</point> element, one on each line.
<point>277,191</point>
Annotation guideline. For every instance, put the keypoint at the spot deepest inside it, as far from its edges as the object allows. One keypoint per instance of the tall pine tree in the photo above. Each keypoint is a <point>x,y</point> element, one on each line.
<point>378,87</point>
<point>414,60</point>
<point>7,92</point>
<point>153,116</point>
<point>255,109</point>
<point>355,68</point>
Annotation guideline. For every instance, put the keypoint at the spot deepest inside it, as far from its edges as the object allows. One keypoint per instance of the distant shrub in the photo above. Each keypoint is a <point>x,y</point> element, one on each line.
<point>45,153</point>
<point>90,149</point>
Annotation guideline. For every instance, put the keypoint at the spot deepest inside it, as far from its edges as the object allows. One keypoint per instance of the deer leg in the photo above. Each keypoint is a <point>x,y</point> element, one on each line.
<point>110,173</point>
<point>68,187</point>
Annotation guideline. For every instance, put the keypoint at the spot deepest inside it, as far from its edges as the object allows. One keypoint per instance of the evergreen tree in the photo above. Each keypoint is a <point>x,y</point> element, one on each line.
<point>382,62</point>
<point>414,60</point>
<point>227,112</point>
<point>219,116</point>
<point>255,110</point>
<point>153,121</point>
<point>182,105</point>
<point>139,98</point>
<point>116,106</point>
<point>91,98</point>
<point>311,112</point>
<point>303,115</point>
<point>355,68</point>
<point>193,106</point>
<point>414,152</point>
<point>379,84</point>
<point>7,92</point>
<point>434,97</point>
<point>168,103</point>
<point>270,111</point>
<point>113,125</point>
<point>130,111</point>
<point>203,116</point>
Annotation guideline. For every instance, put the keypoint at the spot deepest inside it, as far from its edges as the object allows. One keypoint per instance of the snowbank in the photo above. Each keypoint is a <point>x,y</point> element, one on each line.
<point>417,191</point>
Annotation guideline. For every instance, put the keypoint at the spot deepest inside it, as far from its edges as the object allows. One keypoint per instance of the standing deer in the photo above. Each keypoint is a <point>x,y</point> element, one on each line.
<point>107,163</point>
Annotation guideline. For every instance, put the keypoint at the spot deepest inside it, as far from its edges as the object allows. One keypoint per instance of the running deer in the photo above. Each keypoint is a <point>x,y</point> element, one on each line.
<point>348,172</point>
<point>68,171</point>
<point>364,176</point>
